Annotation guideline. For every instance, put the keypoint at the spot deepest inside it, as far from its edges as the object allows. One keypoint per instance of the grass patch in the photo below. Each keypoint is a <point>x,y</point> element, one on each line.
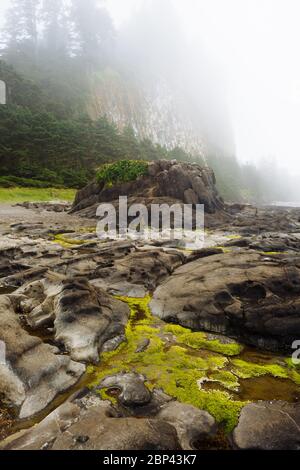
<point>16,194</point>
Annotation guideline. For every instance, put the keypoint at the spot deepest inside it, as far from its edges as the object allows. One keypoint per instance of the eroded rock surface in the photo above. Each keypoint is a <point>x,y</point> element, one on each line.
<point>84,317</point>
<point>268,426</point>
<point>33,373</point>
<point>92,424</point>
<point>191,424</point>
<point>243,283</point>
<point>245,294</point>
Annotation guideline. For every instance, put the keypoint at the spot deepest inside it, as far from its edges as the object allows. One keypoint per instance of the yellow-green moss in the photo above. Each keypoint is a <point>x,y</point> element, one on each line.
<point>226,379</point>
<point>292,364</point>
<point>177,360</point>
<point>272,253</point>
<point>173,368</point>
<point>67,242</point>
<point>233,237</point>
<point>87,230</point>
<point>247,370</point>
<point>198,340</point>
<point>224,249</point>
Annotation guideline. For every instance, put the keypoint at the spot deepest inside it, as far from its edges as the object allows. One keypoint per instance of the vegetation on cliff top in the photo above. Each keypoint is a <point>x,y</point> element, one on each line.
<point>121,171</point>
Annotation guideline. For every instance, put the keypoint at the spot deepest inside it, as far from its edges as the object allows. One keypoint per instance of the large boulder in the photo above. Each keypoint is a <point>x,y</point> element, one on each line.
<point>243,294</point>
<point>268,426</point>
<point>192,425</point>
<point>166,181</point>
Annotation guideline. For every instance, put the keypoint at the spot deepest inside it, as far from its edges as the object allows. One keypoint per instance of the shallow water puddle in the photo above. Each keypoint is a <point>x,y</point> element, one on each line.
<point>7,290</point>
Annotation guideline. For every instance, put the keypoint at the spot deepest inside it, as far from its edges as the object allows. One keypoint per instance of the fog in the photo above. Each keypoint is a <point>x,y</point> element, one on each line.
<point>254,47</point>
<point>236,60</point>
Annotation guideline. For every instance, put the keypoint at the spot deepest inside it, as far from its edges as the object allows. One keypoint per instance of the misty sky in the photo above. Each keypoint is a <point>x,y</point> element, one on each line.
<point>255,47</point>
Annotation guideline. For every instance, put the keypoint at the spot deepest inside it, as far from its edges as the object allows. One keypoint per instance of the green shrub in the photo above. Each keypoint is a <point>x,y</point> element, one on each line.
<point>121,171</point>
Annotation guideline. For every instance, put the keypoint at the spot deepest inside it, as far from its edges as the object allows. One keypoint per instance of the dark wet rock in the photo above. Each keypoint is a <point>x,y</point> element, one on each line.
<point>268,426</point>
<point>133,391</point>
<point>33,373</point>
<point>21,278</point>
<point>114,343</point>
<point>143,345</point>
<point>47,206</point>
<point>276,242</point>
<point>191,424</point>
<point>204,253</point>
<point>241,294</point>
<point>174,181</point>
<point>151,409</point>
<point>239,242</point>
<point>20,227</point>
<point>257,221</point>
<point>8,267</point>
<point>140,271</point>
<point>123,267</point>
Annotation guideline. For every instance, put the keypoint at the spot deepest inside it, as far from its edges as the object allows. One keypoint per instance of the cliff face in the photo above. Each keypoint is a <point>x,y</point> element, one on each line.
<point>166,182</point>
<point>157,110</point>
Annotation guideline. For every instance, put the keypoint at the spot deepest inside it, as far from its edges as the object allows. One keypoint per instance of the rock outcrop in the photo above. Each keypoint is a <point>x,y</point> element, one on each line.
<point>166,182</point>
<point>58,312</point>
<point>191,424</point>
<point>247,295</point>
<point>268,426</point>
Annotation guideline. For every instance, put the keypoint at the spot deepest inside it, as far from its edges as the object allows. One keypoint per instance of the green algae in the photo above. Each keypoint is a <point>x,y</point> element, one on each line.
<point>171,367</point>
<point>233,236</point>
<point>198,340</point>
<point>224,249</point>
<point>292,364</point>
<point>67,242</point>
<point>247,370</point>
<point>179,361</point>
<point>225,378</point>
<point>273,253</point>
